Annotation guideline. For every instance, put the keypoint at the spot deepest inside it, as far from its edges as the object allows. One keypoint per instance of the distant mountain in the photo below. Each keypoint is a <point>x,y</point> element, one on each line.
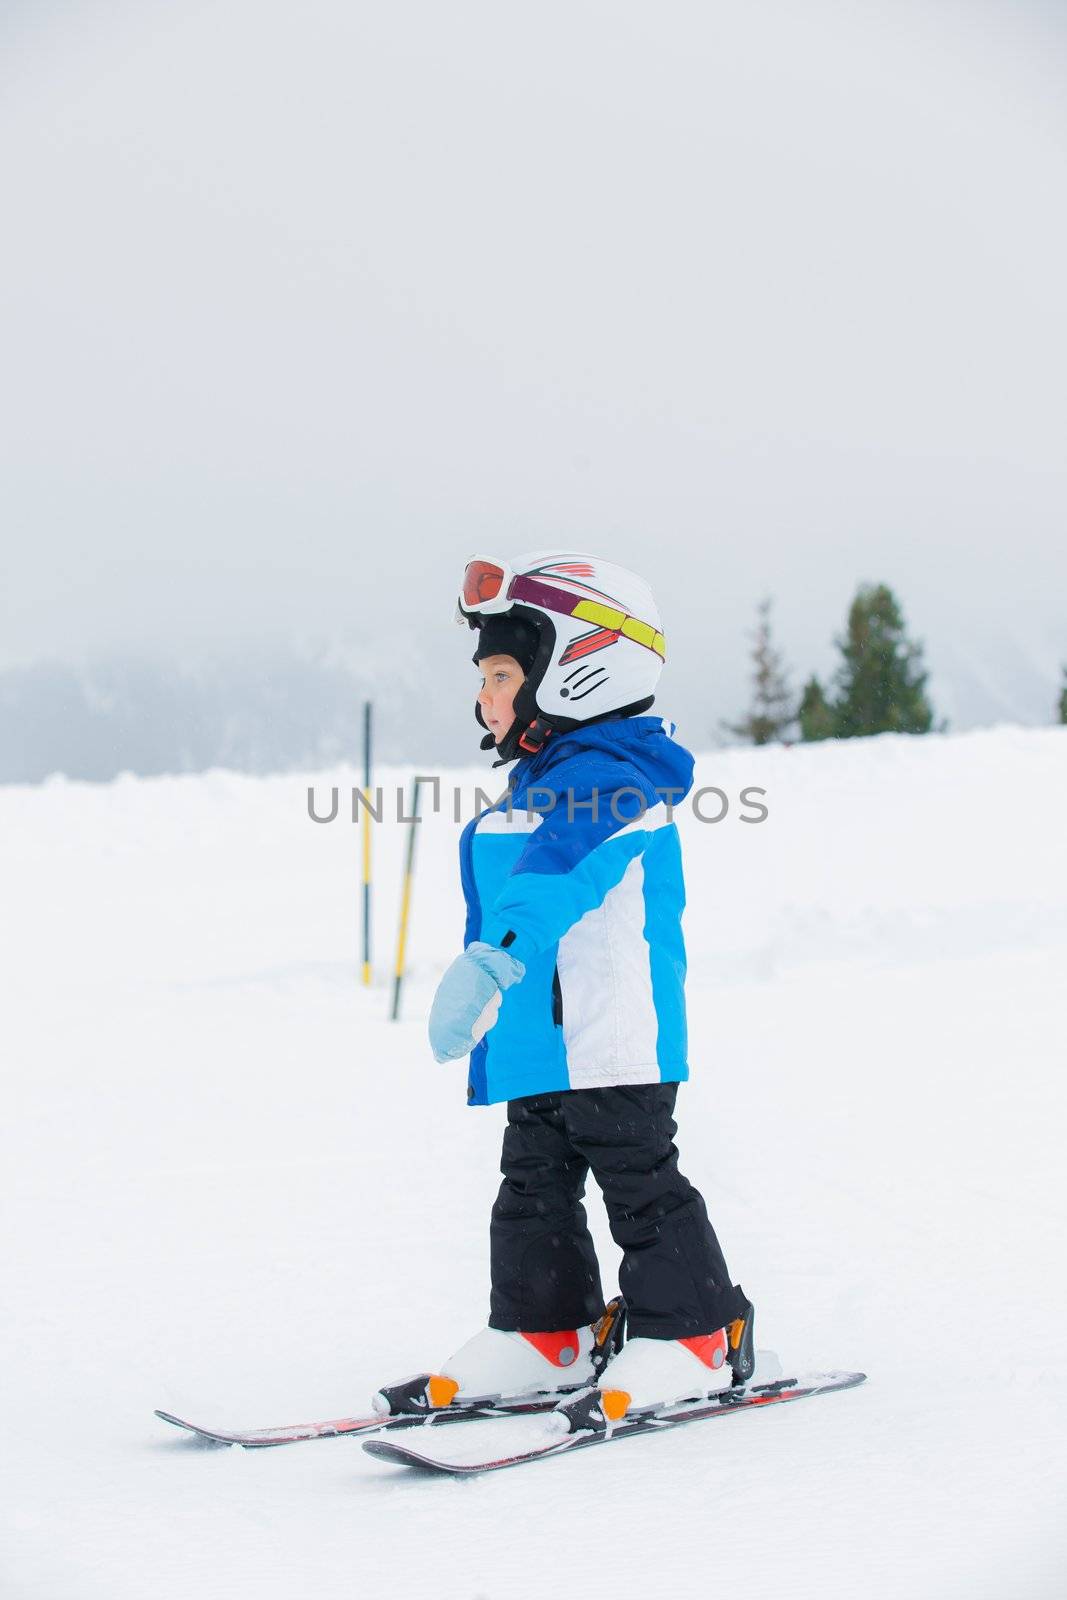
<point>251,715</point>
<point>283,709</point>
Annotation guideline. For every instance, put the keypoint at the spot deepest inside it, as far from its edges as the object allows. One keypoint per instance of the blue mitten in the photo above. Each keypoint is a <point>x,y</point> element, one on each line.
<point>468,999</point>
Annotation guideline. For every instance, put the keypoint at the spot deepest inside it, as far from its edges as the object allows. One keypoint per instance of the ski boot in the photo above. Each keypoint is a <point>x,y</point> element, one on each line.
<point>650,1375</point>
<point>496,1368</point>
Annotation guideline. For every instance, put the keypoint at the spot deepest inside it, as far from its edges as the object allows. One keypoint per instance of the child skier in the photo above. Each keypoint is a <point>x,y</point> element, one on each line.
<point>569,1000</point>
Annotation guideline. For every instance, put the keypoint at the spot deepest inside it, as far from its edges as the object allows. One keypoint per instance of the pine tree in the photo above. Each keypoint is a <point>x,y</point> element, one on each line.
<point>816,716</point>
<point>773,709</point>
<point>1063,698</point>
<point>881,682</point>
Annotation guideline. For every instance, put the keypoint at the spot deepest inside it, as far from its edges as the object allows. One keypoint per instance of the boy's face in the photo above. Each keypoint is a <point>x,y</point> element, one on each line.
<point>501,681</point>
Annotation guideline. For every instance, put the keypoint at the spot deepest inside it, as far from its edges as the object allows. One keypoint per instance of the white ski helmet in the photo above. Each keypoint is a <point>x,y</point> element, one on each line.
<point>600,647</point>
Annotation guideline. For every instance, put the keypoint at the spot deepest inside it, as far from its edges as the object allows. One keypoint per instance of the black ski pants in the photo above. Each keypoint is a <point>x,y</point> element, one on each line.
<point>545,1274</point>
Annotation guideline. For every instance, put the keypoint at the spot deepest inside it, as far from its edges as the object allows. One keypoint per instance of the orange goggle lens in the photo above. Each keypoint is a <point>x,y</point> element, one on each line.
<point>481,582</point>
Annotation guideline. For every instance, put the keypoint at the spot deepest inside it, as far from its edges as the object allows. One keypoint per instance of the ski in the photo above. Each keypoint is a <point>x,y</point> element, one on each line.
<point>414,1403</point>
<point>543,1444</point>
<point>300,1432</point>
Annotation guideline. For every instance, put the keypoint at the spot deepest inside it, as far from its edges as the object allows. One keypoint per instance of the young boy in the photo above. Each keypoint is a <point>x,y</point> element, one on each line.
<point>569,1000</point>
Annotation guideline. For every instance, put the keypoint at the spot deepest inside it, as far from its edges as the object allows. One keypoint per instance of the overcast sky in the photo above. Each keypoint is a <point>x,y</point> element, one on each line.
<point>304,303</point>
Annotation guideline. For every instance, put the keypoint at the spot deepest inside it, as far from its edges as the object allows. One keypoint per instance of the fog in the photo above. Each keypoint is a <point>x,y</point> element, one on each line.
<point>303,305</point>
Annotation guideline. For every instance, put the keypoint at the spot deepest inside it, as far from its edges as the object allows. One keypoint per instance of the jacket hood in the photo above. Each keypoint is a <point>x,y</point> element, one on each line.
<point>646,743</point>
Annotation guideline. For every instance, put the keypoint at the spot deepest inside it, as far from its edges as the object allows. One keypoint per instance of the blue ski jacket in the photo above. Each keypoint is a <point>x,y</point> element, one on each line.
<point>580,861</point>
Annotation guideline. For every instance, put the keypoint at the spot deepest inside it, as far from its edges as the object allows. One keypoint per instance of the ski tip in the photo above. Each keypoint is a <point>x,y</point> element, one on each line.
<point>818,1381</point>
<point>194,1435</point>
<point>384,1450</point>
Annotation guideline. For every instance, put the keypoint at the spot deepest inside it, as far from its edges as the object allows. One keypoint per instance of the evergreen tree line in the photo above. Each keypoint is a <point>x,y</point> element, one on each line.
<point>879,685</point>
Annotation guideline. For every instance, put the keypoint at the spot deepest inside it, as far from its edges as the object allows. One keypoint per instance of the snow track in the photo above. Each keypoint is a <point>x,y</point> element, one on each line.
<point>216,1151</point>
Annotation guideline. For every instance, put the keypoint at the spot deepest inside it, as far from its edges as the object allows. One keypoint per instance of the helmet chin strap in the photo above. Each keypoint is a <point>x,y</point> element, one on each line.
<point>520,739</point>
<point>531,740</point>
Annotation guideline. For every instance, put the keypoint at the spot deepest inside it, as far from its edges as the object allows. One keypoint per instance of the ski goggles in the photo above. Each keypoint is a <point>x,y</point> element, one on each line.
<point>486,588</point>
<point>490,587</point>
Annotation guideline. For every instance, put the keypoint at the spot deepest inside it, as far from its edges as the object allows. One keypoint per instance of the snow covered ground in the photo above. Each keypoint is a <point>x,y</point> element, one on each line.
<point>233,1189</point>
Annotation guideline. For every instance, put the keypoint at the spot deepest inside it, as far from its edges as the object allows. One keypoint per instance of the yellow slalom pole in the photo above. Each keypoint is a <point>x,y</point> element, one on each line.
<point>366,841</point>
<point>405,898</point>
